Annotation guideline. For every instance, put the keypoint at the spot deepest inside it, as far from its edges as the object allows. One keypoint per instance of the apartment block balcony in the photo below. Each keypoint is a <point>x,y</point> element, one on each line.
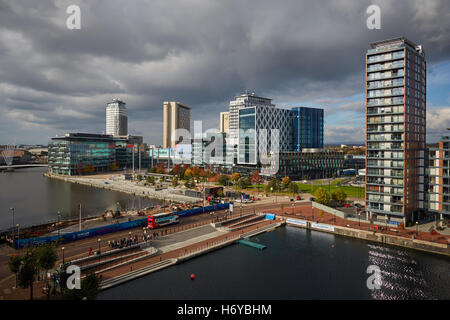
<point>384,57</point>
<point>386,66</point>
<point>386,49</point>
<point>384,139</point>
<point>385,76</point>
<point>385,129</point>
<point>386,120</point>
<point>378,85</point>
<point>384,102</point>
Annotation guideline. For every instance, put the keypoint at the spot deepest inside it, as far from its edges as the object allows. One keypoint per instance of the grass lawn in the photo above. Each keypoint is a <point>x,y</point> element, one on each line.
<point>352,192</point>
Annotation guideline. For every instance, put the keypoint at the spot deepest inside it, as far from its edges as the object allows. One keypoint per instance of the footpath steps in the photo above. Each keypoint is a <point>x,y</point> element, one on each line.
<point>136,274</point>
<point>110,253</point>
<point>245,222</point>
<point>147,253</point>
<point>235,220</point>
<point>118,259</point>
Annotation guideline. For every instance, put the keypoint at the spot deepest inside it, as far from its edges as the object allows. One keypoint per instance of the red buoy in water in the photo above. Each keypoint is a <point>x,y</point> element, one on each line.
<point>192,276</point>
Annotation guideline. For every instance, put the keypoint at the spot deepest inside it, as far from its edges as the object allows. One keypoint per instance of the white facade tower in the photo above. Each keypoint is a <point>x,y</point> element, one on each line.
<point>116,118</point>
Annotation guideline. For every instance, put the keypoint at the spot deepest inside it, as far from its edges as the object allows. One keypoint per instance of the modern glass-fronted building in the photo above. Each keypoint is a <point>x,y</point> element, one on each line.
<point>83,153</point>
<point>307,128</point>
<point>262,130</point>
<point>314,164</point>
<point>241,102</point>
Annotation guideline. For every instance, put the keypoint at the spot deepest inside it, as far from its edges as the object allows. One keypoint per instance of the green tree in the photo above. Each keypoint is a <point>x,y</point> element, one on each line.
<point>189,184</point>
<point>322,196</point>
<point>339,195</point>
<point>273,185</point>
<point>90,287</point>
<point>150,179</point>
<point>46,258</point>
<point>28,271</point>
<point>293,188</point>
<point>244,182</point>
<point>223,180</point>
<point>14,264</point>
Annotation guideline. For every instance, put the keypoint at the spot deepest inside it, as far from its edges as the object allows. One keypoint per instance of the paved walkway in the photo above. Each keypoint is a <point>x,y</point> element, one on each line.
<point>202,236</point>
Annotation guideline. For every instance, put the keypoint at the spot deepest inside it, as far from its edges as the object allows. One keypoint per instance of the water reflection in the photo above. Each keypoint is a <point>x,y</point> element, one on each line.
<point>297,264</point>
<point>37,199</point>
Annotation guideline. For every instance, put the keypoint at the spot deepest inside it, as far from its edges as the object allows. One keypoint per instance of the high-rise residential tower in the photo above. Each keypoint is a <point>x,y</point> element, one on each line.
<point>175,116</point>
<point>116,118</point>
<point>395,128</point>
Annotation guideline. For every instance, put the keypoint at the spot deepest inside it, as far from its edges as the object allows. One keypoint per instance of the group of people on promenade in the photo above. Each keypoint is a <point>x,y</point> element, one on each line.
<point>130,241</point>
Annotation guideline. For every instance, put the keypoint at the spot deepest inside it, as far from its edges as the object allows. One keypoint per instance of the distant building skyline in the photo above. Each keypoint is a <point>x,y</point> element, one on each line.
<point>116,118</point>
<point>224,124</point>
<point>175,116</point>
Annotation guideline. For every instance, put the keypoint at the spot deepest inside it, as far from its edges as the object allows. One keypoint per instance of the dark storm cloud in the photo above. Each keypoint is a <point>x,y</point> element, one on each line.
<point>199,52</point>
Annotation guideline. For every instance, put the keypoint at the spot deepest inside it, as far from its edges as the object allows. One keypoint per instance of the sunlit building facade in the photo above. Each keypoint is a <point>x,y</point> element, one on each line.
<point>395,129</point>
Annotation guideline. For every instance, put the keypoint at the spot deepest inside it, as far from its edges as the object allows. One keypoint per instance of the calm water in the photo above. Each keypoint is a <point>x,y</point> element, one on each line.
<point>297,264</point>
<point>37,199</point>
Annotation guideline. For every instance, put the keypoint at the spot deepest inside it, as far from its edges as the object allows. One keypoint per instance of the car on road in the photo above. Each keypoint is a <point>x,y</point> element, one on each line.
<point>359,206</point>
<point>312,199</point>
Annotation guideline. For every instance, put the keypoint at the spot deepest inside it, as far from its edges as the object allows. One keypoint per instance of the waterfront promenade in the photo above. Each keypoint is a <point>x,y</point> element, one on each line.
<point>196,235</point>
<point>115,183</point>
<point>170,243</point>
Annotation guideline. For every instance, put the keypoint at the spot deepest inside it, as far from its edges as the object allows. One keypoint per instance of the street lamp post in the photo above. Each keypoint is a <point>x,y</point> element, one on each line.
<point>99,240</point>
<point>18,236</point>
<point>62,249</point>
<point>417,228</point>
<point>59,220</point>
<point>12,210</point>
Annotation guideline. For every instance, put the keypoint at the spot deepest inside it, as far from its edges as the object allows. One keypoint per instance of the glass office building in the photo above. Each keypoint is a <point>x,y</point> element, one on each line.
<point>307,128</point>
<point>314,164</point>
<point>247,141</point>
<point>263,130</point>
<point>83,153</point>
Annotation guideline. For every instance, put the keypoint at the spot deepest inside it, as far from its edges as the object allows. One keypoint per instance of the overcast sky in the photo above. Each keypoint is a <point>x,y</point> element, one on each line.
<point>202,53</point>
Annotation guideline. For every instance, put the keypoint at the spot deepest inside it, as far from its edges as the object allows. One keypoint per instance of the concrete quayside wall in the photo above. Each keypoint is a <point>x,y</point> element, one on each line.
<point>190,255</point>
<point>415,244</point>
<point>126,187</point>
